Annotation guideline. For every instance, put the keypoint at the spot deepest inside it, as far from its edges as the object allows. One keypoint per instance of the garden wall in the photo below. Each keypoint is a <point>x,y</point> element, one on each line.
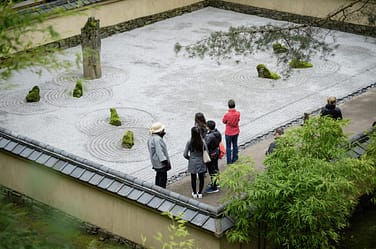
<point>119,216</point>
<point>117,203</point>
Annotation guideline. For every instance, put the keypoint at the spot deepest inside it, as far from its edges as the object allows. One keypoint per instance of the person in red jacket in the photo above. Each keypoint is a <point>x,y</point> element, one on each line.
<point>231,120</point>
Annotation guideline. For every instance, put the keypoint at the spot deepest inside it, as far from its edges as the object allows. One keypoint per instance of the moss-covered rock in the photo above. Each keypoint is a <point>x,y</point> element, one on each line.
<point>114,118</point>
<point>128,139</point>
<point>77,92</point>
<point>296,63</point>
<point>33,95</point>
<point>264,72</point>
<point>278,48</point>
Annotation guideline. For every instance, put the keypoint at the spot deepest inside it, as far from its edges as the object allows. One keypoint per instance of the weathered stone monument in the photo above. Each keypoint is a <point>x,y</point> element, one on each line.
<point>91,49</point>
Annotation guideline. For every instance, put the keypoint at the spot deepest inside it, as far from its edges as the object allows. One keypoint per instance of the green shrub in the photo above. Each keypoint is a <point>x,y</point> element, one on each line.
<point>278,48</point>
<point>77,92</point>
<point>114,118</point>
<point>33,95</point>
<point>128,139</point>
<point>308,191</point>
<point>296,63</point>
<point>264,72</point>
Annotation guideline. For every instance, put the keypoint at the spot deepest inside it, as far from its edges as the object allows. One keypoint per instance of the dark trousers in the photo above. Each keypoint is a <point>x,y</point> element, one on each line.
<point>213,171</point>
<point>232,155</point>
<point>161,179</point>
<point>201,182</point>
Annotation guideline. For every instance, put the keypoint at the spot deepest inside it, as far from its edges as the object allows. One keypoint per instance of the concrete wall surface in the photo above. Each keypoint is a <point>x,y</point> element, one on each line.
<point>317,8</point>
<point>109,13</point>
<point>115,14</point>
<point>119,216</point>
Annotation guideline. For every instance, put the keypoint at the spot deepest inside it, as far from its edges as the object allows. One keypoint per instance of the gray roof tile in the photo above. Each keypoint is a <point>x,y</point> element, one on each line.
<point>125,190</point>
<point>105,183</point>
<point>51,161</point>
<point>155,202</point>
<point>178,210</point>
<point>166,206</point>
<point>68,169</point>
<point>26,152</point>
<point>210,224</point>
<point>189,214</point>
<point>10,146</point>
<point>34,155</point>
<point>365,145</point>
<point>77,172</point>
<point>18,149</point>
<point>135,194</point>
<point>145,198</point>
<point>200,219</point>
<point>226,223</point>
<point>115,186</point>
<point>43,158</point>
<point>352,154</point>
<point>4,142</point>
<point>86,176</point>
<point>359,150</point>
<point>95,180</point>
<point>59,165</point>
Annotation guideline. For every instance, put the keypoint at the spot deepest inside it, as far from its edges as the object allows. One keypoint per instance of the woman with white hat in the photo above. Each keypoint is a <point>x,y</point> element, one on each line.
<point>158,154</point>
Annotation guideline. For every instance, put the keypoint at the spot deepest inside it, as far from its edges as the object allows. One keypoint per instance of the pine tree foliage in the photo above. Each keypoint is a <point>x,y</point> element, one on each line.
<point>301,41</point>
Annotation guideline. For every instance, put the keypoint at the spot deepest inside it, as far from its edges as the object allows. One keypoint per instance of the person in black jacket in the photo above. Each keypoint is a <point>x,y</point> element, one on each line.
<point>331,110</point>
<point>212,139</point>
<point>273,145</point>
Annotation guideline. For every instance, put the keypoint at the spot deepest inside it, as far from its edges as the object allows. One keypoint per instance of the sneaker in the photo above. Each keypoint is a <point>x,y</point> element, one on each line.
<point>194,195</point>
<point>199,196</point>
<point>211,190</point>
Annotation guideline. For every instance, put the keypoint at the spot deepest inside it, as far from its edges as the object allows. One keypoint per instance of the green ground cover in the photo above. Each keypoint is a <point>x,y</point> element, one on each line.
<point>32,228</point>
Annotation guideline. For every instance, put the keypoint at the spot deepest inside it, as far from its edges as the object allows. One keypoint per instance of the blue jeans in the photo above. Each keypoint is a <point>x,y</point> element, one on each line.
<point>232,155</point>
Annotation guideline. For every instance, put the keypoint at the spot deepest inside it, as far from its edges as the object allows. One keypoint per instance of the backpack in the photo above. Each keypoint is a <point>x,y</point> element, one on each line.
<point>222,150</point>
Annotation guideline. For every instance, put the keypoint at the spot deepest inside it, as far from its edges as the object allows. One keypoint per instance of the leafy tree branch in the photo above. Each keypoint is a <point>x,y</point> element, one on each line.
<point>301,40</point>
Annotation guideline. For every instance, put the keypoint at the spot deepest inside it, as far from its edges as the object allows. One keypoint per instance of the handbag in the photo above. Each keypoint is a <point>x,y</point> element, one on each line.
<point>205,153</point>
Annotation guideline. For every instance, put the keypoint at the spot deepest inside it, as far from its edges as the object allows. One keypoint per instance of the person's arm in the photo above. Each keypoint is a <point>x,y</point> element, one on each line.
<point>159,151</point>
<point>185,154</point>
<point>224,119</point>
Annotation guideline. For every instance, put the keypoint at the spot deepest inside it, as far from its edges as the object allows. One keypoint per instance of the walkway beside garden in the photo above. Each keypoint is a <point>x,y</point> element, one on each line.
<point>360,110</point>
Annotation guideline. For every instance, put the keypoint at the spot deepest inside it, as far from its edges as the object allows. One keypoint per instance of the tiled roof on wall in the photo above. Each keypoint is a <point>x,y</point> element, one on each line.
<point>125,186</point>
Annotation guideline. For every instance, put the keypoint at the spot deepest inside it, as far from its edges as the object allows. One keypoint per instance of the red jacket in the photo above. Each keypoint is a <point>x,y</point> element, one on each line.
<point>231,120</point>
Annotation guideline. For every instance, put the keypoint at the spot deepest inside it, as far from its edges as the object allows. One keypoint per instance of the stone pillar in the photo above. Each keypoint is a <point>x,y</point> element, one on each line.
<point>91,49</point>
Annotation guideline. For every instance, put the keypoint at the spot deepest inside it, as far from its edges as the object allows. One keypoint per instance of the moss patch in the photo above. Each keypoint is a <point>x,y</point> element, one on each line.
<point>33,95</point>
<point>77,92</point>
<point>114,118</point>
<point>278,48</point>
<point>128,139</point>
<point>296,63</point>
<point>264,72</point>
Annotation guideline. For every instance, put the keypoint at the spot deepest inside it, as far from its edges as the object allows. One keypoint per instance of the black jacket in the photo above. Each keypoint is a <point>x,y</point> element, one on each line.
<point>331,111</point>
<point>212,139</point>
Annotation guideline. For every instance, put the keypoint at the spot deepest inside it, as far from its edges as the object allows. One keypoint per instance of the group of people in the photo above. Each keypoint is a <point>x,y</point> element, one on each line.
<point>205,137</point>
